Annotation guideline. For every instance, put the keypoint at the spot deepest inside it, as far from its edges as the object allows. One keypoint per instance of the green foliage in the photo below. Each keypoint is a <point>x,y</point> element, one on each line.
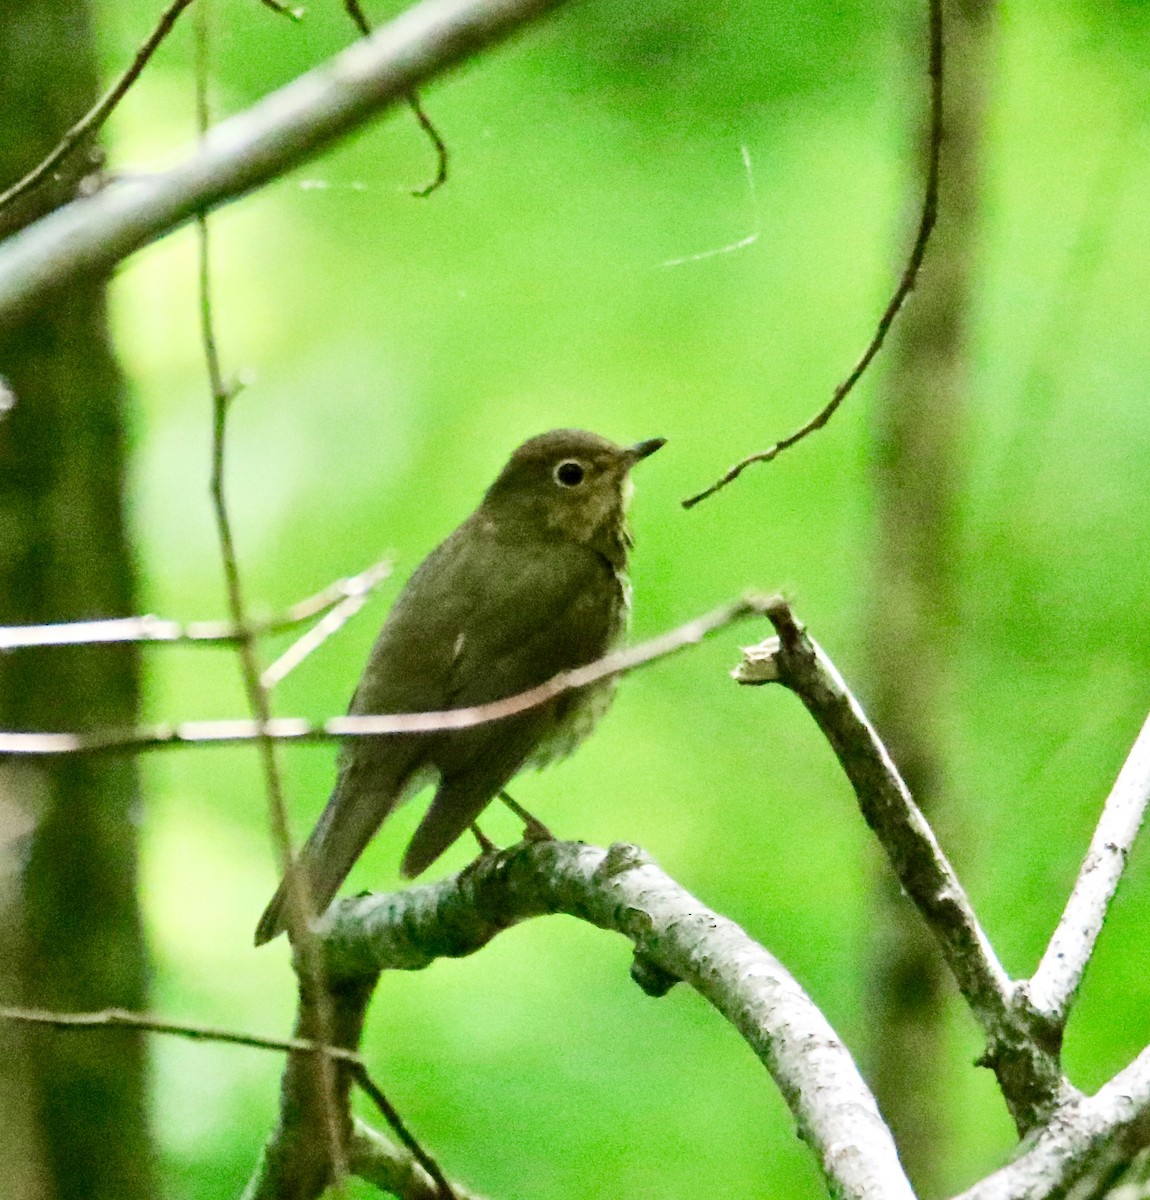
<point>401,347</point>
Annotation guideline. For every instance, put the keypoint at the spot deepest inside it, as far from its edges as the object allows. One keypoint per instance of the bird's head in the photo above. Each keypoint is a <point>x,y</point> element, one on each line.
<point>571,483</point>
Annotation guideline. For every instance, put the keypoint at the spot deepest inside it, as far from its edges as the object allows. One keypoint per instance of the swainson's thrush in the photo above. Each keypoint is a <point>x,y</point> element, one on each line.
<point>533,583</point>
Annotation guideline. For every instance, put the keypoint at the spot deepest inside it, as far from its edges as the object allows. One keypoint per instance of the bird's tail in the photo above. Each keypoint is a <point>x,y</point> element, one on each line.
<point>346,826</point>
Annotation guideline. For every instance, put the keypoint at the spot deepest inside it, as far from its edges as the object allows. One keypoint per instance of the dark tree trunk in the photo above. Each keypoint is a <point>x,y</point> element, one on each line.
<point>919,467</point>
<point>72,936</point>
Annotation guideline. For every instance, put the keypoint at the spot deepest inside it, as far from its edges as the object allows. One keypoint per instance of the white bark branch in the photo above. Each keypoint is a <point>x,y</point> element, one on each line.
<point>676,938</point>
<point>288,729</point>
<point>1019,1049</point>
<point>283,130</point>
<point>346,595</point>
<point>393,1170</point>
<point>1068,1145</point>
<point>1055,984</point>
<point>797,662</point>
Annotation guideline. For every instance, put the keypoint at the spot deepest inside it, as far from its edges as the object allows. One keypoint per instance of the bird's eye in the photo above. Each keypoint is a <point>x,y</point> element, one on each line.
<point>569,473</point>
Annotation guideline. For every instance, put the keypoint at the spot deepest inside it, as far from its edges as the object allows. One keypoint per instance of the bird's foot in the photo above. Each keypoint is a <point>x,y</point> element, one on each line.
<point>533,829</point>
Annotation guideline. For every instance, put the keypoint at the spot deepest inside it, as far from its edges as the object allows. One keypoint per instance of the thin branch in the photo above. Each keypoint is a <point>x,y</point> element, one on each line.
<point>95,117</point>
<point>283,130</point>
<point>442,154</point>
<point>359,19</point>
<point>120,1018</point>
<point>380,1162</point>
<point>1055,984</point>
<point>344,595</point>
<point>295,729</point>
<point>391,1114</point>
<point>675,938</point>
<point>1021,1055</point>
<point>328,625</point>
<point>284,10</point>
<point>922,867</point>
<point>905,286</point>
<point>300,907</point>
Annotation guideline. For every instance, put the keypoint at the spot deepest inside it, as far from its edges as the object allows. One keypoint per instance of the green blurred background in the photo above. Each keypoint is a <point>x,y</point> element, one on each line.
<point>397,349</point>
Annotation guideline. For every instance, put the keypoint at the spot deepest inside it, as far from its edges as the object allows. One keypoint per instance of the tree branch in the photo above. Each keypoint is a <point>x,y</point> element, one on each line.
<point>379,1161</point>
<point>95,117</point>
<point>903,290</point>
<point>359,20</point>
<point>300,909</point>
<point>344,595</point>
<point>190,733</point>
<point>1067,1147</point>
<point>1053,987</point>
<point>1024,1057</point>
<point>285,129</point>
<point>675,938</point>
<point>404,1171</point>
<point>120,1018</point>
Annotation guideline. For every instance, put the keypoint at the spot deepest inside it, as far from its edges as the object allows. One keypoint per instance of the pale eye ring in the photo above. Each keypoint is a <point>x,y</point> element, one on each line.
<point>570,473</point>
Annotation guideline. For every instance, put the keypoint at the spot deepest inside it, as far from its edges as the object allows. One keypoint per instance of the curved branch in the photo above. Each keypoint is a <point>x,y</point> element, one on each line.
<point>1067,1147</point>
<point>283,130</point>
<point>901,292</point>
<point>675,938</point>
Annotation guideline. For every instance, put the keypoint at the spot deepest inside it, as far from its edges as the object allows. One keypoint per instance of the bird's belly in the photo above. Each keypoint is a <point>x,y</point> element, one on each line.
<point>574,721</point>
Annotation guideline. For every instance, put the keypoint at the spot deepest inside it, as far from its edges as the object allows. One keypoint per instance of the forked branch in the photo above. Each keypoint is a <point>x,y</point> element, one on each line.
<point>1019,1049</point>
<point>239,154</point>
<point>675,937</point>
<point>347,596</point>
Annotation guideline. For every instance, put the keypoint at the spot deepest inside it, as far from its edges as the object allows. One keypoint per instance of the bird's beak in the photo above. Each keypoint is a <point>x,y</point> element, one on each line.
<point>644,449</point>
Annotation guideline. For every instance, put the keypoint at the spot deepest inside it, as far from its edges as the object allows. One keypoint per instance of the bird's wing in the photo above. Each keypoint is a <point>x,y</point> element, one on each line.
<point>481,615</point>
<point>564,611</point>
<point>481,618</point>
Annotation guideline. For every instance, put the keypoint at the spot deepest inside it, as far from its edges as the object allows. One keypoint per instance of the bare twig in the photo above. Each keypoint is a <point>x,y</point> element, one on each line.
<point>294,729</point>
<point>391,1115</point>
<point>330,623</point>
<point>889,809</point>
<point>91,121</point>
<point>359,19</point>
<point>1055,984</point>
<point>283,10</point>
<point>393,1170</point>
<point>442,154</point>
<point>300,908</point>
<point>675,938</point>
<point>345,596</point>
<point>283,130</point>
<point>1023,1058</point>
<point>120,1018</point>
<point>905,284</point>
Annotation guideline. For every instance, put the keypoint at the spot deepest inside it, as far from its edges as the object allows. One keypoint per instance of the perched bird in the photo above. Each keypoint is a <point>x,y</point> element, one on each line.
<point>533,583</point>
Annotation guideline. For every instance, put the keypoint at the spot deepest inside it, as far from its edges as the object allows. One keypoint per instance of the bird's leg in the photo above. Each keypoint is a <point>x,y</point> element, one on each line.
<point>486,845</point>
<point>533,829</point>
